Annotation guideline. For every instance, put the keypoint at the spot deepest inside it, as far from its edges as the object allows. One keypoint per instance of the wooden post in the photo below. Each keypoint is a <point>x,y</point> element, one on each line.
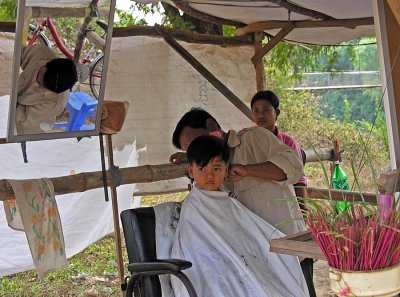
<point>273,41</point>
<point>387,35</point>
<point>114,201</point>
<point>259,64</point>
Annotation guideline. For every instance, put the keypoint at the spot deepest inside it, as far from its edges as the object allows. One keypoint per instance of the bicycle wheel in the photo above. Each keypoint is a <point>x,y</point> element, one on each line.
<point>42,39</point>
<point>96,70</point>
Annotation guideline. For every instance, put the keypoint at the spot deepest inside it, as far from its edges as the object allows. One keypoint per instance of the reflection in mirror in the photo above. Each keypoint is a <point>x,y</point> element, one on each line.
<point>59,68</point>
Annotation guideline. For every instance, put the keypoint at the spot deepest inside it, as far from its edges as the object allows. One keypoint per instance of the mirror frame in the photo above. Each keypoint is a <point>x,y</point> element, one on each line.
<point>11,131</point>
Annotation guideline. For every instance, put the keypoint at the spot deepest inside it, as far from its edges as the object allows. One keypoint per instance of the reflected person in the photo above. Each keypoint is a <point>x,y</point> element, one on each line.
<point>43,89</point>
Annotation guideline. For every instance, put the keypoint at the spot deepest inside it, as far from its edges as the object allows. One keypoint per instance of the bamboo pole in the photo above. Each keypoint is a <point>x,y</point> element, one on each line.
<point>131,175</point>
<point>117,234</point>
<point>92,180</point>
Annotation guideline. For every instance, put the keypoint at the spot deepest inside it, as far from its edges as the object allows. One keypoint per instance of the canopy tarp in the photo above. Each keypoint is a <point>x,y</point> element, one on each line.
<point>251,11</point>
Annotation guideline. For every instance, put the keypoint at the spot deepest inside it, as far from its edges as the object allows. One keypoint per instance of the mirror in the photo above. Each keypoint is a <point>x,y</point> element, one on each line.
<point>59,72</point>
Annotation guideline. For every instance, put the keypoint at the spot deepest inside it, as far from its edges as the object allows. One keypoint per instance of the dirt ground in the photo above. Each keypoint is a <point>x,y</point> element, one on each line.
<point>321,280</point>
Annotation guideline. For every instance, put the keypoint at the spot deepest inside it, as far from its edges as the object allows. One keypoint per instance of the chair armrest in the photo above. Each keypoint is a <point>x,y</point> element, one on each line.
<point>160,265</point>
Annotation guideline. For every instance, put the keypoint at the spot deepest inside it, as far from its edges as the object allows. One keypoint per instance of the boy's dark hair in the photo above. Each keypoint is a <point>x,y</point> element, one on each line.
<point>194,118</point>
<point>60,75</point>
<point>267,96</point>
<point>205,148</point>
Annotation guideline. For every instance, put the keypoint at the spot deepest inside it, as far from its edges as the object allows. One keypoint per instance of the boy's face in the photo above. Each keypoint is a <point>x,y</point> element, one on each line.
<point>264,114</point>
<point>211,176</point>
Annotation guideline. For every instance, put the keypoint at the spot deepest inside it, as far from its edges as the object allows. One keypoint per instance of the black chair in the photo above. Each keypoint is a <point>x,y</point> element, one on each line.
<point>139,230</point>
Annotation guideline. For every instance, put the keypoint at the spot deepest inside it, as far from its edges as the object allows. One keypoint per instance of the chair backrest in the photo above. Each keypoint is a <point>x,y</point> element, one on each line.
<point>140,236</point>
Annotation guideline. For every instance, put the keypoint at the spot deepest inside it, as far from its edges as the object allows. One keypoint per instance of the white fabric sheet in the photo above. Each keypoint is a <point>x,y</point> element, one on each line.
<point>159,86</point>
<point>85,217</point>
<point>228,246</point>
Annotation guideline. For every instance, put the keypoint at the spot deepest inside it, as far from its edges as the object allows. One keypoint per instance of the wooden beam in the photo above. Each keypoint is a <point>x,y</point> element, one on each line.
<point>117,229</point>
<point>270,25</point>
<point>58,12</point>
<point>273,41</point>
<point>175,33</point>
<point>337,195</point>
<point>205,73</point>
<point>259,65</point>
<point>184,6</point>
<point>92,180</point>
<point>395,7</point>
<point>7,27</point>
<point>184,36</point>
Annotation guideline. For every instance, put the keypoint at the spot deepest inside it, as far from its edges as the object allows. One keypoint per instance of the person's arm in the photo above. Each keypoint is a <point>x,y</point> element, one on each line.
<point>270,158</point>
<point>267,170</point>
<point>178,157</point>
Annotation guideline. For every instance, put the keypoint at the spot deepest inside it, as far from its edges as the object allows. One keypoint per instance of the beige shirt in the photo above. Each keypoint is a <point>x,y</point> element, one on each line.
<point>273,201</point>
<point>37,107</point>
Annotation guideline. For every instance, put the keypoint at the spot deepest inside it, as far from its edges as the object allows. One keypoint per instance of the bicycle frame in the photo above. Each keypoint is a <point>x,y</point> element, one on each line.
<point>48,22</point>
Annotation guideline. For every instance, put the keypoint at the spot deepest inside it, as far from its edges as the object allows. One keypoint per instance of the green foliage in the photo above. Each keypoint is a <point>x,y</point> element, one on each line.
<point>301,117</point>
<point>126,19</point>
<point>8,10</point>
<point>229,30</point>
<point>361,104</point>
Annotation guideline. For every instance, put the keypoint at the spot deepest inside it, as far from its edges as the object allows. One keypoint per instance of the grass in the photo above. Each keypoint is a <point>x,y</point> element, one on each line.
<point>92,270</point>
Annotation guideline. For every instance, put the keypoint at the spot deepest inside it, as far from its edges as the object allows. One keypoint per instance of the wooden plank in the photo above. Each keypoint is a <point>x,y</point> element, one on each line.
<point>300,244</point>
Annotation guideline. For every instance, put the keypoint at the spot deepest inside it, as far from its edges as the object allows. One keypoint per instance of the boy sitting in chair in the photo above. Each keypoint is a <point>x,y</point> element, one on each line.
<point>227,244</point>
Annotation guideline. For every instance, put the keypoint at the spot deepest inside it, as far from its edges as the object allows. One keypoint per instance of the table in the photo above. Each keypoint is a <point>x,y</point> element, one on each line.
<point>301,244</point>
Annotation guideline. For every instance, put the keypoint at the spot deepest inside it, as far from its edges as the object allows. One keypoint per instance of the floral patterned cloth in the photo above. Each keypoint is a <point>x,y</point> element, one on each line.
<point>35,211</point>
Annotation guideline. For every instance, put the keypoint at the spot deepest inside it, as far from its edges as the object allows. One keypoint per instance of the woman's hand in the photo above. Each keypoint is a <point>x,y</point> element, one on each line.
<point>237,172</point>
<point>178,157</point>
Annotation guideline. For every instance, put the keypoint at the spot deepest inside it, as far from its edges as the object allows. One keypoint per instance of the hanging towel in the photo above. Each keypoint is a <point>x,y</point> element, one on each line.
<point>35,211</point>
